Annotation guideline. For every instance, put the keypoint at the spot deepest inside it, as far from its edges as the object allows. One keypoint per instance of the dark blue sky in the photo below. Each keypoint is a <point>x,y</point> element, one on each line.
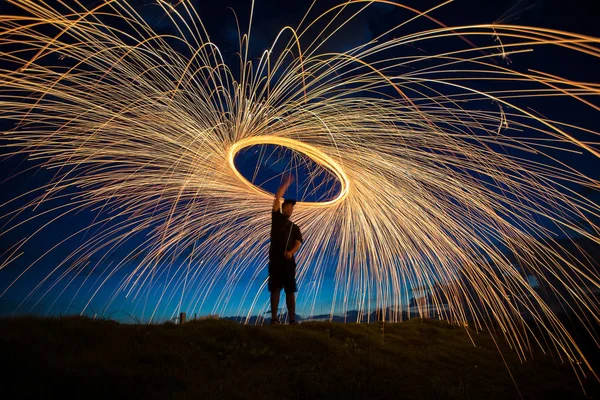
<point>21,176</point>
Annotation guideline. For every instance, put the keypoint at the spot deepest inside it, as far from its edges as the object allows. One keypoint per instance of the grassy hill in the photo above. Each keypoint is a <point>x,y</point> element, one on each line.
<point>74,357</point>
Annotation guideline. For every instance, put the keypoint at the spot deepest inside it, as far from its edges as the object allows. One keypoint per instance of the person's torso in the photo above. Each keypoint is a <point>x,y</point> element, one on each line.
<point>283,235</point>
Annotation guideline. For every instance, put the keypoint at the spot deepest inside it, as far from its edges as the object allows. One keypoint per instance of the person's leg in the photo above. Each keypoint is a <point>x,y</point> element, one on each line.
<point>290,288</point>
<point>275,286</point>
<point>274,303</point>
<point>290,301</point>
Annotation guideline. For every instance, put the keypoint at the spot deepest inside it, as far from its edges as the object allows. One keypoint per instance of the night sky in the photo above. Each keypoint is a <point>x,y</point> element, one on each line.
<point>21,175</point>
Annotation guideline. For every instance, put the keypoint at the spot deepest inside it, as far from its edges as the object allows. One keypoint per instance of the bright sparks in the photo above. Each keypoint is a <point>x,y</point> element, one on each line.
<point>451,186</point>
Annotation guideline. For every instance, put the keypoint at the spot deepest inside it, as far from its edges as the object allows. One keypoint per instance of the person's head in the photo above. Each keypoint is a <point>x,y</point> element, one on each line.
<point>287,208</point>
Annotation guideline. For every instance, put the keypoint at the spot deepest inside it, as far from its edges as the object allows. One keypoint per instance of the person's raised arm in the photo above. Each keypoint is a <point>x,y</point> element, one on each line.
<point>281,191</point>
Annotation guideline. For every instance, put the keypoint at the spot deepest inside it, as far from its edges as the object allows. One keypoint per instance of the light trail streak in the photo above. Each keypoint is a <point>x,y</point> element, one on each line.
<point>449,182</point>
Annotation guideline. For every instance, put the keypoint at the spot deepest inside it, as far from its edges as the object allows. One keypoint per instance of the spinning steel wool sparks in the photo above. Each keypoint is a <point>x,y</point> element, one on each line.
<point>445,182</point>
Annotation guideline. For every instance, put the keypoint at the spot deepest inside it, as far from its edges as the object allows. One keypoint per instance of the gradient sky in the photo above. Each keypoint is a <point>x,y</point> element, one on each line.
<point>20,175</point>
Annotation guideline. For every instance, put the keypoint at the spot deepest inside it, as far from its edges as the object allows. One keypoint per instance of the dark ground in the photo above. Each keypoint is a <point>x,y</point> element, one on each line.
<point>74,357</point>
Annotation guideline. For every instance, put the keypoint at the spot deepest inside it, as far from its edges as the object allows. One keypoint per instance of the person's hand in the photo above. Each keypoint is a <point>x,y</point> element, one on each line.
<point>289,179</point>
<point>288,255</point>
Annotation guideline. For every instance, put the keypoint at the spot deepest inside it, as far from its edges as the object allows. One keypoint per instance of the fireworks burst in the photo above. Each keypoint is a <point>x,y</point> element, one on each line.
<point>444,182</point>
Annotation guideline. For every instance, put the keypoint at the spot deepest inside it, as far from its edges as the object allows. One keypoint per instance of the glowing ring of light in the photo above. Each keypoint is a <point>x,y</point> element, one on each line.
<point>313,153</point>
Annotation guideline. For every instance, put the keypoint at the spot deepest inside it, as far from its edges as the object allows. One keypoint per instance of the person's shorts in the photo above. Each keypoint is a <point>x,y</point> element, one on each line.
<point>282,275</point>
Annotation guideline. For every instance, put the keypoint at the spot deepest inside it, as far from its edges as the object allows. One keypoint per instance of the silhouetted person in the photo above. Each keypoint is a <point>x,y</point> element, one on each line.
<point>285,242</point>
